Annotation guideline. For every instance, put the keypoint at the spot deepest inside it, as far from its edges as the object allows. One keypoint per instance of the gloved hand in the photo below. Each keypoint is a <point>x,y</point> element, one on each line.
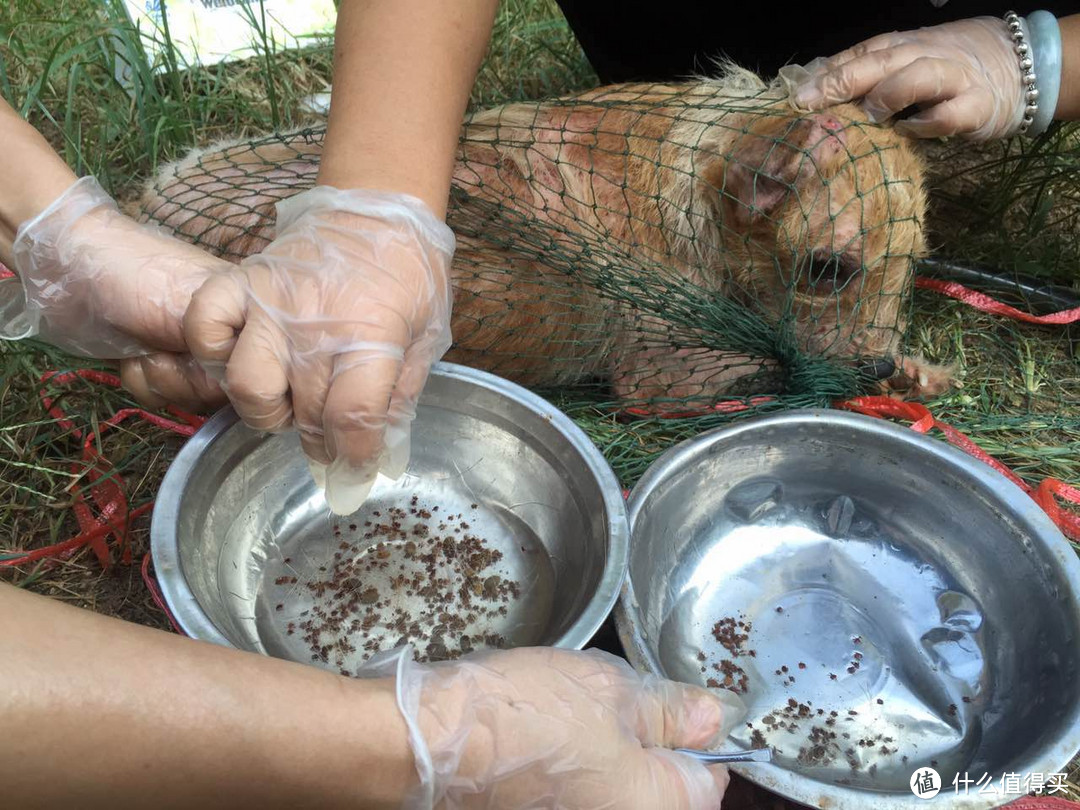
<point>964,75</point>
<point>169,378</point>
<point>333,329</point>
<point>95,283</point>
<point>543,727</point>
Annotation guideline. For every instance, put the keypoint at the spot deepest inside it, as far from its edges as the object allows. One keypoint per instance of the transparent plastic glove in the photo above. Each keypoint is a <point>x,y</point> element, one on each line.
<point>95,283</point>
<point>964,76</point>
<point>332,329</point>
<point>543,727</point>
<point>165,378</point>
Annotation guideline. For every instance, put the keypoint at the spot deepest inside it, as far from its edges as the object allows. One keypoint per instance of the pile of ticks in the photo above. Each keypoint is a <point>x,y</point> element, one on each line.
<point>731,633</point>
<point>817,736</point>
<point>414,576</point>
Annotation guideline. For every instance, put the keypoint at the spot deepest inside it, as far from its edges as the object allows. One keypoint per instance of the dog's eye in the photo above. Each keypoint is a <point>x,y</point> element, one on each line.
<point>827,272</point>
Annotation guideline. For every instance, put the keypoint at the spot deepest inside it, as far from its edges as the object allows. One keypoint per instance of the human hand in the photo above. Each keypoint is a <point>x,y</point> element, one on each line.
<point>168,378</point>
<point>965,77</point>
<point>96,283</point>
<point>543,727</point>
<point>333,329</point>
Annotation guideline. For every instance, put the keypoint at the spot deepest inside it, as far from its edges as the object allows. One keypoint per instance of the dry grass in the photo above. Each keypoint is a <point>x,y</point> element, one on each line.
<point>1020,394</point>
<point>42,472</point>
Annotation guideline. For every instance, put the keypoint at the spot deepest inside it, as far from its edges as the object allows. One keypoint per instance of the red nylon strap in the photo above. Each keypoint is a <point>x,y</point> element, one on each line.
<point>112,516</point>
<point>1047,493</point>
<point>985,303</point>
<point>108,515</point>
<point>1042,803</point>
<point>106,485</point>
<point>155,594</point>
<point>727,406</point>
<point>69,547</point>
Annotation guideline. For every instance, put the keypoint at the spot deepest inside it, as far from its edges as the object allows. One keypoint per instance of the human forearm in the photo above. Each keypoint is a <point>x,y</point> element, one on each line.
<point>101,713</point>
<point>403,70</point>
<point>1068,106</point>
<point>33,176</point>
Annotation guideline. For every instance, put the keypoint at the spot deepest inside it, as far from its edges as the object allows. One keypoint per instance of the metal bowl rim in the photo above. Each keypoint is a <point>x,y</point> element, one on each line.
<point>181,601</point>
<point>1042,531</point>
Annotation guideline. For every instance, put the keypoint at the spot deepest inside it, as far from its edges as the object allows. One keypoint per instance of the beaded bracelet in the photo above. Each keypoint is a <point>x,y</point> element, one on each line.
<point>1027,65</point>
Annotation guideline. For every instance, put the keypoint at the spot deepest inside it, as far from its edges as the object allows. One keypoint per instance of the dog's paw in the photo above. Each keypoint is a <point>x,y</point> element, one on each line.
<point>915,378</point>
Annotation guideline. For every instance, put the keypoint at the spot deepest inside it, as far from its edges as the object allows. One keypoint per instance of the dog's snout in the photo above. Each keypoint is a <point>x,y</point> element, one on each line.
<point>880,368</point>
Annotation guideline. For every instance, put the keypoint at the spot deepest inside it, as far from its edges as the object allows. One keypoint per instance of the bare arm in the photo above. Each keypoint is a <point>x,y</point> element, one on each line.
<point>403,70</point>
<point>97,712</point>
<point>1068,106</point>
<point>34,175</point>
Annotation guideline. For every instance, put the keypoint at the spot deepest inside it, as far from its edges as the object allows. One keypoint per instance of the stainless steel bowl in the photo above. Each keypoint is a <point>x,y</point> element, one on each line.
<point>883,576</point>
<point>238,517</point>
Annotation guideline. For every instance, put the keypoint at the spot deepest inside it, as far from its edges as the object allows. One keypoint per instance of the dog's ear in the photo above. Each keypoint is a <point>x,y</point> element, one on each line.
<point>768,160</point>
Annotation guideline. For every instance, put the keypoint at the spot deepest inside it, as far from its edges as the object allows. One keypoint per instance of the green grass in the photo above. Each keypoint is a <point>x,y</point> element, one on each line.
<point>60,65</point>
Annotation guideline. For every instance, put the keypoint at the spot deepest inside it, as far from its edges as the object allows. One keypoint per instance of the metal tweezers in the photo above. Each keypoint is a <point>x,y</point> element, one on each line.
<point>710,758</point>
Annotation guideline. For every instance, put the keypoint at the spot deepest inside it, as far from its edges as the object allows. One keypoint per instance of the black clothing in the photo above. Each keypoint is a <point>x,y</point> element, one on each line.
<point>630,40</point>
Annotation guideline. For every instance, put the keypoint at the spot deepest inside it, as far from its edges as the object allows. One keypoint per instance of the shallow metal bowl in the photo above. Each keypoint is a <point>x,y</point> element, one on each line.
<point>903,605</point>
<point>242,538</point>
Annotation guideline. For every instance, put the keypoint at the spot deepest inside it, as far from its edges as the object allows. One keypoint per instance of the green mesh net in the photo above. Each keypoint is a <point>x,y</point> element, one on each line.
<point>655,259</point>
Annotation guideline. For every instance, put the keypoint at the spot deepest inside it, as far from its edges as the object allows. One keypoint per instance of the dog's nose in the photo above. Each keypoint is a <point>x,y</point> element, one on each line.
<point>877,369</point>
